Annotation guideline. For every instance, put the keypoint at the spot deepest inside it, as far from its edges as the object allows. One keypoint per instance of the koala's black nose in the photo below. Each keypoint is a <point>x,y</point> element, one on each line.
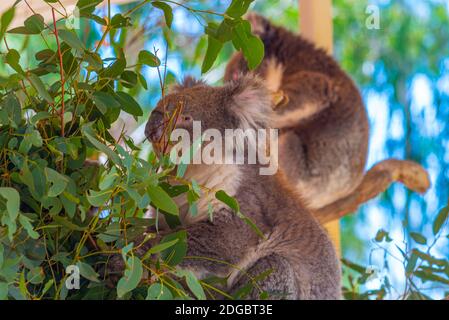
<point>155,127</point>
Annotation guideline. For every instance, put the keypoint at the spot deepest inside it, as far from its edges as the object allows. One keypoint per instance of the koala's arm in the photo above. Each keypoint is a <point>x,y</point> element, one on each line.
<point>307,94</point>
<point>307,91</point>
<point>214,248</point>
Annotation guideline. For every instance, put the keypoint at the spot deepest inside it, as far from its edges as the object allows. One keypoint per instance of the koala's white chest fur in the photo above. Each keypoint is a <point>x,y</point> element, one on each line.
<point>211,178</point>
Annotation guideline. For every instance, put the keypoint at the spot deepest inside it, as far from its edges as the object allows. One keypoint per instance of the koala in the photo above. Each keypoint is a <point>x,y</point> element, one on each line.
<point>295,247</point>
<point>324,126</point>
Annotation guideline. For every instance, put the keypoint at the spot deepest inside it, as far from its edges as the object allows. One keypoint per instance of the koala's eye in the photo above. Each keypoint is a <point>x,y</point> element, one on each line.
<point>187,119</point>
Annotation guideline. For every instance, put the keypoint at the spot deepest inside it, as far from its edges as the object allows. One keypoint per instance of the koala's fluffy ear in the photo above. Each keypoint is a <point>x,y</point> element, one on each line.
<point>251,102</point>
<point>187,82</point>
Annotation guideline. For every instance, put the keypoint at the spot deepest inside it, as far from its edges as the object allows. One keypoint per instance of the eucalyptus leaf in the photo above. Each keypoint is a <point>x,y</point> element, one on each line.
<point>87,271</point>
<point>132,277</point>
<point>168,12</point>
<point>149,59</point>
<point>12,198</point>
<point>71,38</point>
<point>162,200</point>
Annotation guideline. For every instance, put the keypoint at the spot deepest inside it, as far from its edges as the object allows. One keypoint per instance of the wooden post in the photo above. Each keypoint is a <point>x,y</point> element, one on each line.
<point>316,25</point>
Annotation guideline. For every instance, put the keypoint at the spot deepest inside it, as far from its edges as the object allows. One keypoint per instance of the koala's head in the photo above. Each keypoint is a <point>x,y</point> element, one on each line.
<point>244,103</point>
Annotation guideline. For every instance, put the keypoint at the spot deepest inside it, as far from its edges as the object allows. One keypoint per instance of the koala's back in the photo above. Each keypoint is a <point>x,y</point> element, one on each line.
<point>332,145</point>
<point>325,154</point>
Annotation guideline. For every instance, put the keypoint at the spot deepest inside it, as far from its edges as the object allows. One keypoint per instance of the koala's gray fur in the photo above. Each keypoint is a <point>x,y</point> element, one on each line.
<point>324,127</point>
<point>296,248</point>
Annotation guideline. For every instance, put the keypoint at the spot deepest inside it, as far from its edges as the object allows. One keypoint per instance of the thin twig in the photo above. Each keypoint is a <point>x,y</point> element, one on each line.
<point>61,69</point>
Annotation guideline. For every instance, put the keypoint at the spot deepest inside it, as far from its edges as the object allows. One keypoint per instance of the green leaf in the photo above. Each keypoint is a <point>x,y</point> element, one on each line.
<point>100,146</point>
<point>71,38</point>
<point>115,69</point>
<point>35,275</point>
<point>32,25</point>
<point>168,12</point>
<point>195,286</point>
<point>162,200</point>
<point>149,59</point>
<point>238,8</point>
<point>2,251</point>
<point>427,276</point>
<point>31,138</point>
<point>6,20</point>
<point>69,201</point>
<point>353,266</point>
<point>252,225</point>
<point>13,110</point>
<point>35,24</point>
<point>214,47</point>
<point>58,181</point>
<point>224,30</point>
<point>175,254</point>
<point>255,52</point>
<point>419,238</point>
<point>40,87</point>
<point>22,284</point>
<point>13,59</point>
<point>3,291</point>
<point>129,104</point>
<point>45,55</point>
<point>252,47</point>
<point>47,286</point>
<point>132,277</point>
<point>440,220</point>
<point>42,115</point>
<point>12,198</point>
<point>411,263</point>
<point>64,222</point>
<point>87,6</point>
<point>87,271</point>
<point>99,198</point>
<point>231,202</point>
<point>429,258</point>
<point>19,30</point>
<point>111,234</point>
<point>108,179</point>
<point>142,81</point>
<point>104,101</point>
<point>161,247</point>
<point>380,235</point>
<point>158,291</point>
<point>193,283</point>
<point>119,21</point>
<point>128,79</point>
<point>26,223</point>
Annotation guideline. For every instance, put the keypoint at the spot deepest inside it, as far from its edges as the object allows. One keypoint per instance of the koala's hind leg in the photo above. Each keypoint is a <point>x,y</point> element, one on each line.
<point>376,181</point>
<point>280,284</point>
<point>319,182</point>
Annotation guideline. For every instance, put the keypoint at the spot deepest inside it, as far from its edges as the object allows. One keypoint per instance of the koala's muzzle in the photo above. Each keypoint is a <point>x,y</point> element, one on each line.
<point>154,129</point>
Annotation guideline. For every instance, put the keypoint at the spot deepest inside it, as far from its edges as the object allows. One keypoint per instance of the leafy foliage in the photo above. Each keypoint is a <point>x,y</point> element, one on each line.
<point>57,207</point>
<point>419,264</point>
